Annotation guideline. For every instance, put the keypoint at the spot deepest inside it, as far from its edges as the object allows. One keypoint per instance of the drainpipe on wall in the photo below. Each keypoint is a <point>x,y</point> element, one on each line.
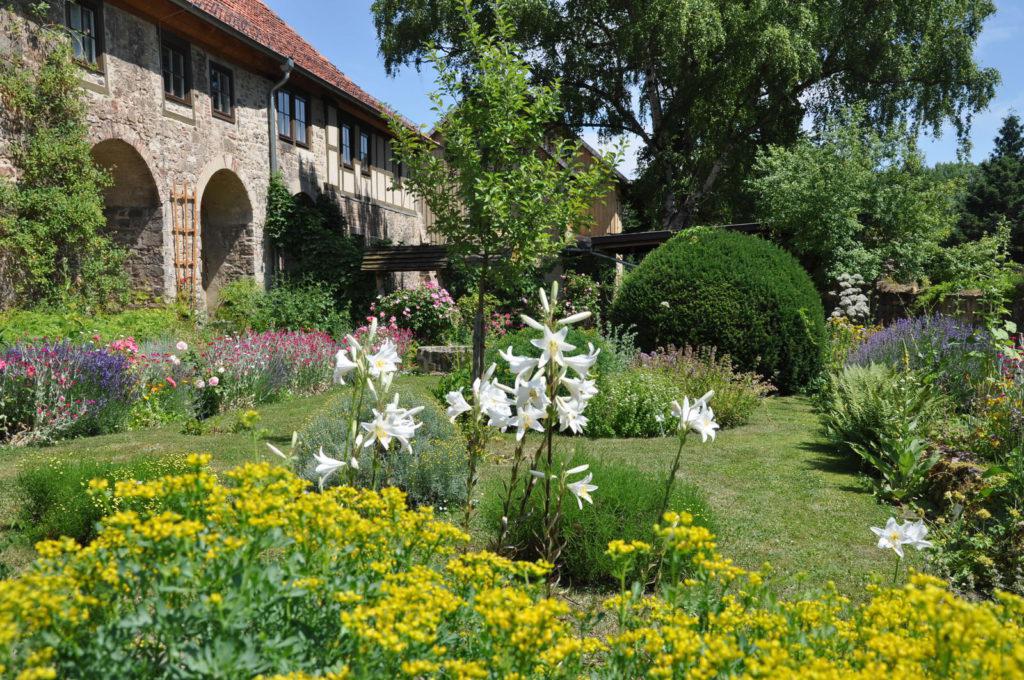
<point>286,68</point>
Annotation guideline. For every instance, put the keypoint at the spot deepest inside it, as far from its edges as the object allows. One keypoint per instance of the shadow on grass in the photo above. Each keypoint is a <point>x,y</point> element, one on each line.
<point>828,459</point>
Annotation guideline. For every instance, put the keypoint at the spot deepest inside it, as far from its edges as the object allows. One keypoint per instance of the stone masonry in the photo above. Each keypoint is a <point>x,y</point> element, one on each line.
<point>151,145</point>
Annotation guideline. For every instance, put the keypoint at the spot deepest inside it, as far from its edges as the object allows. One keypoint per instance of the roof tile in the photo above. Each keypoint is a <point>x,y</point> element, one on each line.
<point>259,23</point>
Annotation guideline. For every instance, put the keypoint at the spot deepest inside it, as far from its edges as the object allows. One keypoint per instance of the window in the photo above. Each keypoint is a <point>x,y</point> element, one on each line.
<point>83,20</point>
<point>177,68</point>
<point>300,119</point>
<point>364,151</point>
<point>293,117</point>
<point>284,115</point>
<point>346,144</point>
<point>222,91</point>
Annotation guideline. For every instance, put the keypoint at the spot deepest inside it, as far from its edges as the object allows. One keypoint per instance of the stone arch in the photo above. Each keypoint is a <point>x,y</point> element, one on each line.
<point>227,239</point>
<point>134,212</point>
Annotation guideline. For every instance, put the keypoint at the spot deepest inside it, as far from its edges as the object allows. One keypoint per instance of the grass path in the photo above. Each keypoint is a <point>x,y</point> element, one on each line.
<point>777,494</point>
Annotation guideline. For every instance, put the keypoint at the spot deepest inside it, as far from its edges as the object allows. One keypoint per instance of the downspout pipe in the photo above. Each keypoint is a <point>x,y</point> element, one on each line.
<point>286,68</point>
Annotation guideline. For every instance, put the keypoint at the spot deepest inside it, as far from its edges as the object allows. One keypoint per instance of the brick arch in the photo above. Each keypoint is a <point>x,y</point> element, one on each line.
<point>134,211</point>
<point>122,133</point>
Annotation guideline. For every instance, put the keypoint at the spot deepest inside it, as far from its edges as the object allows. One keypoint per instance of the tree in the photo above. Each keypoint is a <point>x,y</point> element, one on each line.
<point>852,201</point>
<point>506,195</point>
<point>705,84</point>
<point>996,191</point>
<point>52,226</point>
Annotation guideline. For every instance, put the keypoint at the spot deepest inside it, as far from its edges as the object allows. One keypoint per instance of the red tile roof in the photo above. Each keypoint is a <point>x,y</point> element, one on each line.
<point>259,23</point>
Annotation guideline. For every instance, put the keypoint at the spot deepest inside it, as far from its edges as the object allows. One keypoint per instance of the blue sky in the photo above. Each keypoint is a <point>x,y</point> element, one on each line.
<point>344,33</point>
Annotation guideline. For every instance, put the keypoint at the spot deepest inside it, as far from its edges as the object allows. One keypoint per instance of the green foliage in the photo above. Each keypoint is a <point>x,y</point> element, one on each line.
<point>51,219</point>
<point>983,265</point>
<point>310,305</point>
<point>739,293</point>
<point>631,404</point>
<point>887,419</point>
<point>504,209</point>
<point>434,474</point>
<point>695,372</point>
<point>852,201</point>
<point>144,325</point>
<point>55,498</point>
<point>704,85</point>
<point>996,190</point>
<point>316,246</point>
<point>625,507</point>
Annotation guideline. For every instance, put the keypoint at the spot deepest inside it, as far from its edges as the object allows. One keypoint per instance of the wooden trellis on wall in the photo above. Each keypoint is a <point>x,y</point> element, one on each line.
<point>185,231</point>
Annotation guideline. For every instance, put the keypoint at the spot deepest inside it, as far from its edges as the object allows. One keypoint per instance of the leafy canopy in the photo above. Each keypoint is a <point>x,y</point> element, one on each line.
<point>705,84</point>
<point>851,200</point>
<point>506,190</point>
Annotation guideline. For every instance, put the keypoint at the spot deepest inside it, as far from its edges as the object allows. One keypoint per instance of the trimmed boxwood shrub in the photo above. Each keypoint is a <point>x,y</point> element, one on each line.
<point>739,293</point>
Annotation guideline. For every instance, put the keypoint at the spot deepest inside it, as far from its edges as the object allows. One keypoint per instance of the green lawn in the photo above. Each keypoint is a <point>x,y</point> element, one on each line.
<point>777,494</point>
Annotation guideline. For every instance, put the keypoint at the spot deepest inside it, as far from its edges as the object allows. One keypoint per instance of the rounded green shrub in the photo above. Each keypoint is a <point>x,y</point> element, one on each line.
<point>739,293</point>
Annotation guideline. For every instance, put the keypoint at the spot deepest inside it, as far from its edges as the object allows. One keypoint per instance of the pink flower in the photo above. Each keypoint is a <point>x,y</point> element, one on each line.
<point>214,381</point>
<point>182,346</point>
<point>170,381</point>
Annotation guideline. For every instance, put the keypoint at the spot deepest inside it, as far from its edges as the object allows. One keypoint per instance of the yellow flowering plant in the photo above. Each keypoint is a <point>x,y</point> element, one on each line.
<point>256,575</point>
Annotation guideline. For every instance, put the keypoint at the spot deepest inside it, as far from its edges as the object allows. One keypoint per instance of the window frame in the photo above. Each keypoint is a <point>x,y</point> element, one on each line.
<point>174,43</point>
<point>365,160</point>
<point>96,7</point>
<point>290,136</point>
<point>230,73</point>
<point>343,127</point>
<point>297,95</point>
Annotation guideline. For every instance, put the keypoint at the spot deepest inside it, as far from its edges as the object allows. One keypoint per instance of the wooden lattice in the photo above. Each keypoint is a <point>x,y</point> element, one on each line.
<point>185,231</point>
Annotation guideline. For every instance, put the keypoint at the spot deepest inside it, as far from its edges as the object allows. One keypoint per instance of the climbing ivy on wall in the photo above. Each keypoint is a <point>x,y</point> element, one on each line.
<point>52,226</point>
<point>317,247</point>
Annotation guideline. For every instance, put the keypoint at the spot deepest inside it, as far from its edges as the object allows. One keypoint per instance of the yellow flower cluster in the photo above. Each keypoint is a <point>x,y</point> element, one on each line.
<point>258,574</point>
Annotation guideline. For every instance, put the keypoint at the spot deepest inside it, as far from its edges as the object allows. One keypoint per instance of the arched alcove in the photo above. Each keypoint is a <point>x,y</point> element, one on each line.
<point>134,212</point>
<point>227,233</point>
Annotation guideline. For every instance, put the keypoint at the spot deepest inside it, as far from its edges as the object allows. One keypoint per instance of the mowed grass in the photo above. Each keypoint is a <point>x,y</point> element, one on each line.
<point>776,493</point>
<point>228,448</point>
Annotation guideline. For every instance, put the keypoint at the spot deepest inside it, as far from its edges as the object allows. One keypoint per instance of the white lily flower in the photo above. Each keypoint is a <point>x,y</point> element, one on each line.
<point>519,366</point>
<point>527,419</point>
<point>532,323</point>
<point>581,490</point>
<point>574,318</point>
<point>353,463</point>
<point>582,363</point>
<point>686,415</point>
<point>544,302</point>
<point>552,346</point>
<point>570,415</point>
<point>385,360</point>
<point>915,533</point>
<point>380,430</point>
<point>343,366</point>
<point>276,451</point>
<point>326,466</point>
<point>532,393</point>
<point>891,536</point>
<point>538,474</point>
<point>353,344</point>
<point>705,424</point>
<point>580,389</point>
<point>457,404</point>
<point>577,470</point>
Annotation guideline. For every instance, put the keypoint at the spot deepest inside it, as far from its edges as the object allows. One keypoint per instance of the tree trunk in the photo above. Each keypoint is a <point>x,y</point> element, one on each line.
<point>479,327</point>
